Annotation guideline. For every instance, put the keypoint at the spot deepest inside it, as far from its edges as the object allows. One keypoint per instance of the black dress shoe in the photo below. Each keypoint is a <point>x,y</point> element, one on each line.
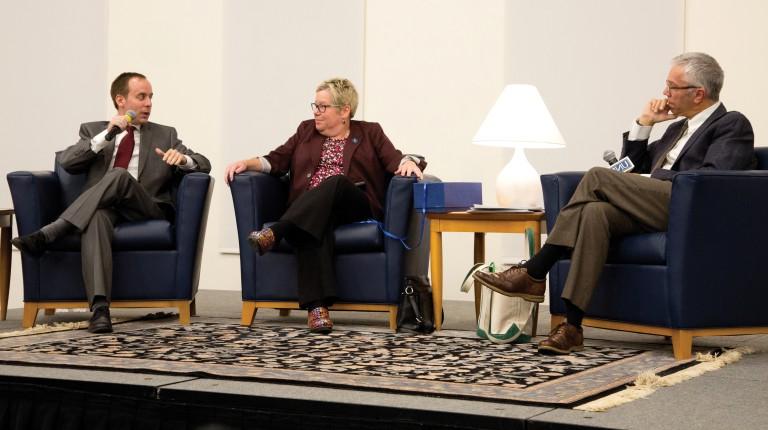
<point>100,321</point>
<point>32,244</point>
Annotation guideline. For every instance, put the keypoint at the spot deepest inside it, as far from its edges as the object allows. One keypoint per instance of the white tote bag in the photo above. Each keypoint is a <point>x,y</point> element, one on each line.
<point>502,319</point>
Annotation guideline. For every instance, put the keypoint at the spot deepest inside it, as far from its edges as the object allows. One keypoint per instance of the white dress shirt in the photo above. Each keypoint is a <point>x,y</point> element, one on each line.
<point>98,143</point>
<point>641,132</point>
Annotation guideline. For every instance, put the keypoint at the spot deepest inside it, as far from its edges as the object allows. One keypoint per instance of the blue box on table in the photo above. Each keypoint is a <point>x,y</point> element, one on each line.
<point>447,196</point>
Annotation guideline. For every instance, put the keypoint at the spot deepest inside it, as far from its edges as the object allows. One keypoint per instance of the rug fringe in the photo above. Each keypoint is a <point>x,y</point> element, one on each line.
<point>78,325</point>
<point>648,382</point>
<point>46,328</point>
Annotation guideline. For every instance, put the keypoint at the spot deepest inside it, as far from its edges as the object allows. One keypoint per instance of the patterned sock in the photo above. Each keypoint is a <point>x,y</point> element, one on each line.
<point>538,266</point>
<point>56,229</point>
<point>573,314</point>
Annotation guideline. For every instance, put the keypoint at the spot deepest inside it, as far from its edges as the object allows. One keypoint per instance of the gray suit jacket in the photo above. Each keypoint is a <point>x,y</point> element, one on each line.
<point>724,142</point>
<point>155,175</point>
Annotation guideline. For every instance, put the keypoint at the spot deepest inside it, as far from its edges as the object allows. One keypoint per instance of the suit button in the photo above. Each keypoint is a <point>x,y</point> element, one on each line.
<point>309,175</point>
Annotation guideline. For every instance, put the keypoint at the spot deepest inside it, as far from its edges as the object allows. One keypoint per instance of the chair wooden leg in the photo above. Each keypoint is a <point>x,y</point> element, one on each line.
<point>682,344</point>
<point>285,312</point>
<point>50,311</point>
<point>393,318</point>
<point>184,312</point>
<point>249,313</point>
<point>193,308</point>
<point>30,315</point>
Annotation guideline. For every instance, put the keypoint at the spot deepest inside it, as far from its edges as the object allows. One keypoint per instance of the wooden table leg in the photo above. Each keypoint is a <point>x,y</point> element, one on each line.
<point>5,264</point>
<point>436,263</point>
<point>479,258</point>
<point>536,247</point>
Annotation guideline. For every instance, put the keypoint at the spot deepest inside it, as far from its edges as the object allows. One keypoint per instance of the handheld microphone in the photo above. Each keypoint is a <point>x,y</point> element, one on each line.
<point>610,157</point>
<point>622,166</point>
<point>129,116</point>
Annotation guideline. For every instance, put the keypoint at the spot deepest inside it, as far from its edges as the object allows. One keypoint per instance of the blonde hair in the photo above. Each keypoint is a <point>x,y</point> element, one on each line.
<point>343,93</point>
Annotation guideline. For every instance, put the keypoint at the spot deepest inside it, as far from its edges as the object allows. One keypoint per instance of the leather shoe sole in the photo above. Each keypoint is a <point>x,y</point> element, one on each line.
<point>551,349</point>
<point>479,277</point>
<point>100,322</point>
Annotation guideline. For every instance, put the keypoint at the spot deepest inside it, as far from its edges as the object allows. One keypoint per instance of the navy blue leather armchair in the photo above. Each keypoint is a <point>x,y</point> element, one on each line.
<point>702,277</point>
<point>156,263</point>
<point>369,266</point>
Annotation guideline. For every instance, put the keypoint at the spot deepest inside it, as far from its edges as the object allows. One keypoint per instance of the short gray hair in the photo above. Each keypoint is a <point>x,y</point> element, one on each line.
<point>342,93</point>
<point>701,69</point>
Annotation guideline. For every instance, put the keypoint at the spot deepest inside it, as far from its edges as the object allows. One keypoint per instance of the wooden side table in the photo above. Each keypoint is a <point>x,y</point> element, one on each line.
<point>6,222</point>
<point>478,223</point>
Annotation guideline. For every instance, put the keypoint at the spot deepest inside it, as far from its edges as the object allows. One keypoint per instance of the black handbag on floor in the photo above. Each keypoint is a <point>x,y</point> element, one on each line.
<point>415,311</point>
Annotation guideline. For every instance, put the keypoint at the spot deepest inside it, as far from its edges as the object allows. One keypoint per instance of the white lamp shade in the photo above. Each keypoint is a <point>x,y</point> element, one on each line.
<point>519,118</point>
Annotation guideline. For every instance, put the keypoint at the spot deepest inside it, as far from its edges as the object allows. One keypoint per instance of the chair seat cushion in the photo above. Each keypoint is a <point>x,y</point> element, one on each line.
<point>349,239</point>
<point>646,248</point>
<point>129,236</point>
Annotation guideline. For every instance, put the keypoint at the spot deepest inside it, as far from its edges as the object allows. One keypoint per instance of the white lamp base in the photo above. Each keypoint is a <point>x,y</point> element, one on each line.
<point>518,184</point>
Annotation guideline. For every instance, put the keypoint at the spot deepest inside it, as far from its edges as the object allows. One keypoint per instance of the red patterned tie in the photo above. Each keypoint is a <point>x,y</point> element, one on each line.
<point>125,149</point>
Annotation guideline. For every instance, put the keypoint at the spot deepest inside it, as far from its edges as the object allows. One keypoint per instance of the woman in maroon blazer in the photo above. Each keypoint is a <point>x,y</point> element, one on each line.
<point>338,170</point>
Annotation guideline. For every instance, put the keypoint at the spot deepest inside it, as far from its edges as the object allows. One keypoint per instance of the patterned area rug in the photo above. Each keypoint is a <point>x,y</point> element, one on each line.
<point>418,364</point>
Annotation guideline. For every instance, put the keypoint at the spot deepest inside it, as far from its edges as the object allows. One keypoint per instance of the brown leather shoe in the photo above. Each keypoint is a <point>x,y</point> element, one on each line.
<point>514,282</point>
<point>263,240</point>
<point>563,339</point>
<point>319,320</point>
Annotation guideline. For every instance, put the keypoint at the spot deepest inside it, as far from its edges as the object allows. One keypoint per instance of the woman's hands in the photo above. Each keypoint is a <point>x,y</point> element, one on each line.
<point>240,167</point>
<point>408,168</point>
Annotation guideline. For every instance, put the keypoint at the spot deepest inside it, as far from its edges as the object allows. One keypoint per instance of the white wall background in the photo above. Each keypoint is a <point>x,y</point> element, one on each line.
<point>236,76</point>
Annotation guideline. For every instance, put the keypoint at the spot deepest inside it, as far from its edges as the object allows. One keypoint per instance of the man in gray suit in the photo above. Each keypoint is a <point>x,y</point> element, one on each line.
<point>128,179</point>
<point>609,204</point>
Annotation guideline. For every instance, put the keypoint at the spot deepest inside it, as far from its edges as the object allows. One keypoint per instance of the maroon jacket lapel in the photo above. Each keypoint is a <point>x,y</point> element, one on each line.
<point>353,142</point>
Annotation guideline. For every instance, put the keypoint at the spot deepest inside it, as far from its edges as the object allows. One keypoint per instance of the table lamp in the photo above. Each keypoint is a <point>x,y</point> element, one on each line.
<point>519,119</point>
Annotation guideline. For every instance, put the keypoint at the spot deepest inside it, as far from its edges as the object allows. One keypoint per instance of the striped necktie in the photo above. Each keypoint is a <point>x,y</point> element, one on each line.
<point>663,159</point>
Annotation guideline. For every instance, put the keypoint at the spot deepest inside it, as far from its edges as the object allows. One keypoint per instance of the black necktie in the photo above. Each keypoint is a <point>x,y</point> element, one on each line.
<point>663,159</point>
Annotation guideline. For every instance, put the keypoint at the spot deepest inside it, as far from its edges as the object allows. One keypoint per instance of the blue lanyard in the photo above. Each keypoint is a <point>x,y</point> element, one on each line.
<point>403,239</point>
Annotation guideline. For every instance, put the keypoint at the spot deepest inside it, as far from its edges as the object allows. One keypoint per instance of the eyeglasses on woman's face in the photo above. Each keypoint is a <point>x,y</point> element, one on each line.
<point>320,108</point>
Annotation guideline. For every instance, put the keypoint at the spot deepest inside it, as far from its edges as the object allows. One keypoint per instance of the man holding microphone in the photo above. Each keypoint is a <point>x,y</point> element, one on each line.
<point>130,164</point>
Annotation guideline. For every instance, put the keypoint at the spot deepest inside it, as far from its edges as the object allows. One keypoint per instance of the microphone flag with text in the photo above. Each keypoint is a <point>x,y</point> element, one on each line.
<point>129,116</point>
<point>622,166</point>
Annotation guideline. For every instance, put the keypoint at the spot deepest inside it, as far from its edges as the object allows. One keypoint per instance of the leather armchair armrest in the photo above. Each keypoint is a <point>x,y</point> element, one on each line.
<point>398,207</point>
<point>193,200</point>
<point>558,189</point>
<point>716,246</point>
<point>37,199</point>
<point>258,198</point>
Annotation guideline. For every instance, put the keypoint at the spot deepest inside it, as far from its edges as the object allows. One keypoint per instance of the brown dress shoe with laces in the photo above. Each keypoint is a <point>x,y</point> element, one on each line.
<point>514,282</point>
<point>319,320</point>
<point>563,339</point>
<point>263,240</point>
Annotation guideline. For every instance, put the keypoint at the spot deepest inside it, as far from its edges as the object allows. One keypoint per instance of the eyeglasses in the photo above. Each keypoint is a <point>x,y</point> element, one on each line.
<point>687,87</point>
<point>320,108</point>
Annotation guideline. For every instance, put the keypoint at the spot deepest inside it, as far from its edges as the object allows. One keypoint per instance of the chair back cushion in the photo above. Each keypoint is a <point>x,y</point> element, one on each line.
<point>71,185</point>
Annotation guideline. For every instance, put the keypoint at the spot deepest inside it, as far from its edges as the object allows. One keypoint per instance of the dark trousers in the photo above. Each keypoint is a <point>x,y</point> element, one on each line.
<point>117,197</point>
<point>316,213</point>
